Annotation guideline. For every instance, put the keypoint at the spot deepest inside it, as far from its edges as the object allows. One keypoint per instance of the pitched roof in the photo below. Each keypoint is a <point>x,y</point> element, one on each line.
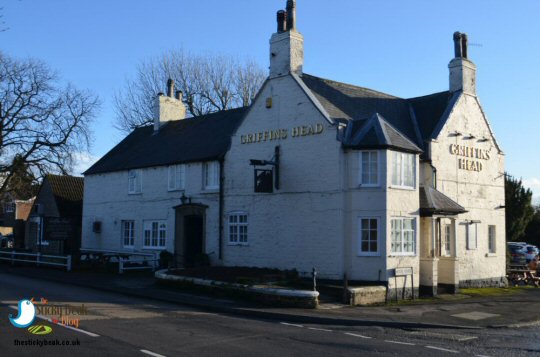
<point>436,202</point>
<point>413,119</point>
<point>68,193</point>
<point>377,132</point>
<point>202,138</point>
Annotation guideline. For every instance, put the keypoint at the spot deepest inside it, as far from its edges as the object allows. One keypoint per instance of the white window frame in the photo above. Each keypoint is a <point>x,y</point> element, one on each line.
<point>446,241</point>
<point>361,230</point>
<point>211,171</point>
<point>154,234</point>
<point>472,235</point>
<point>176,177</point>
<point>492,239</point>
<point>135,176</point>
<point>236,228</point>
<point>401,165</point>
<point>361,168</point>
<point>131,235</point>
<point>414,230</point>
<point>10,207</point>
<point>40,236</point>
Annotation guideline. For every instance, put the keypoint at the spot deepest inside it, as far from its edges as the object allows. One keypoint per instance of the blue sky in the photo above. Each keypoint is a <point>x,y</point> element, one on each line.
<point>399,47</point>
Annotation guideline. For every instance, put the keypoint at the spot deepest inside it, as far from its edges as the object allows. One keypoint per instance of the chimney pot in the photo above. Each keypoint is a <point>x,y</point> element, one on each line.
<point>281,21</point>
<point>291,14</point>
<point>457,44</point>
<point>170,88</point>
<point>464,45</point>
<point>179,95</point>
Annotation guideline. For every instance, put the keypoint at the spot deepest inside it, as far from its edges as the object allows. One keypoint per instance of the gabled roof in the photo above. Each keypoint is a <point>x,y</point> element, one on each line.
<point>436,202</point>
<point>377,132</point>
<point>68,193</point>
<point>202,138</point>
<point>414,119</point>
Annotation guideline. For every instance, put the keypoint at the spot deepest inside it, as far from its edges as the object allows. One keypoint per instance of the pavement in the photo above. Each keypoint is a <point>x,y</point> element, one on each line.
<point>513,310</point>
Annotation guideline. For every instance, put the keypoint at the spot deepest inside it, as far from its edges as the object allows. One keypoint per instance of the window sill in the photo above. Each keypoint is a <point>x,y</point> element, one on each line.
<point>44,244</point>
<point>155,248</point>
<point>366,254</point>
<point>363,185</point>
<point>210,190</point>
<point>399,255</point>
<point>134,193</point>
<point>176,190</point>
<point>238,244</point>
<point>405,188</point>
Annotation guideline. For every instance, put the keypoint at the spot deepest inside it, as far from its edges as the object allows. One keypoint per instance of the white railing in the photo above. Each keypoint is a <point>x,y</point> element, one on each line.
<point>39,259</point>
<point>145,261</point>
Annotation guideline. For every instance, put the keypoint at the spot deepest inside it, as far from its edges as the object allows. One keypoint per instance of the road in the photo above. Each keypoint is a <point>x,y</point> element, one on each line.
<point>118,325</point>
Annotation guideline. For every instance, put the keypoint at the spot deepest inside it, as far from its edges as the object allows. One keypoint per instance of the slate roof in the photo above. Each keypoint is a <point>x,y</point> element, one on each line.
<point>414,120</point>
<point>202,138</point>
<point>376,132</point>
<point>68,194</point>
<point>436,202</point>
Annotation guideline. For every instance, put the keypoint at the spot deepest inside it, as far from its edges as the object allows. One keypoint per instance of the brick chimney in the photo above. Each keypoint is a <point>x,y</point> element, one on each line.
<point>287,44</point>
<point>462,70</point>
<point>168,107</point>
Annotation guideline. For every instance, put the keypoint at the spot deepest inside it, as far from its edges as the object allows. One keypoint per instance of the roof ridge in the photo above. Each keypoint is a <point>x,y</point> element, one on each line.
<point>352,86</point>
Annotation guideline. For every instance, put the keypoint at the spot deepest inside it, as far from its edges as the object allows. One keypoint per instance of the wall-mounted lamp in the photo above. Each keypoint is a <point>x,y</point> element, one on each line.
<point>184,199</point>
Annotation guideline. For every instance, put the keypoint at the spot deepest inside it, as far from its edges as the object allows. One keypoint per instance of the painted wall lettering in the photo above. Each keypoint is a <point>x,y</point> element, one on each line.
<point>472,153</point>
<point>281,134</point>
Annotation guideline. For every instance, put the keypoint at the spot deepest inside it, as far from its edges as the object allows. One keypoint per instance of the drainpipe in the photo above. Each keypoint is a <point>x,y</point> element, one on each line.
<point>221,205</point>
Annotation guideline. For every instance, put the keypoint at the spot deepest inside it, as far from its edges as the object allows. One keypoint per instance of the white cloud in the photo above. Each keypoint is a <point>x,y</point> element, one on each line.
<point>82,161</point>
<point>534,184</point>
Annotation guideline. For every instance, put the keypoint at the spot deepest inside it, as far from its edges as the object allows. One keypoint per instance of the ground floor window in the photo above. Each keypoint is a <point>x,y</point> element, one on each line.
<point>369,236</point>
<point>128,233</point>
<point>238,228</point>
<point>403,236</point>
<point>446,239</point>
<point>472,239</point>
<point>155,234</point>
<point>492,240</point>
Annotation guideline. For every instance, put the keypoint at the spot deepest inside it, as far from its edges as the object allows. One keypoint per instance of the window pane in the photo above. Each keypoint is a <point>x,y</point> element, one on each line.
<point>373,224</point>
<point>373,246</point>
<point>365,246</point>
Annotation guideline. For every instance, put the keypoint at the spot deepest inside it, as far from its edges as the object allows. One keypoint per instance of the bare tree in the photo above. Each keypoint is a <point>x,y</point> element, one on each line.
<point>209,84</point>
<point>42,124</point>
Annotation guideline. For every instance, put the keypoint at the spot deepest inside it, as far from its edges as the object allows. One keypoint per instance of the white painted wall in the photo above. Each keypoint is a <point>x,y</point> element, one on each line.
<point>106,199</point>
<point>479,192</point>
<point>301,225</point>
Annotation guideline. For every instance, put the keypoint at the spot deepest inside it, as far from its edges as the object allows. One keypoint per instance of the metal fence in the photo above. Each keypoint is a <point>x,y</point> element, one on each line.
<point>37,258</point>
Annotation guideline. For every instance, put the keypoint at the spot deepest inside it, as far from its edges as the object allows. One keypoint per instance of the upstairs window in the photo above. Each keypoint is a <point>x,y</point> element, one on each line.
<point>135,181</point>
<point>177,177</point>
<point>211,175</point>
<point>9,207</point>
<point>369,168</point>
<point>403,169</point>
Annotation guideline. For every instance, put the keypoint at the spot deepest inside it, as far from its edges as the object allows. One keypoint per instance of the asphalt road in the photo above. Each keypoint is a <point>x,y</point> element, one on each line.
<point>117,325</point>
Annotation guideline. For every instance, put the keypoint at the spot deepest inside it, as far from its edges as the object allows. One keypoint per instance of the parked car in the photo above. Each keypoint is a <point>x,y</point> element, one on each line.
<point>518,253</point>
<point>531,253</point>
<point>6,241</point>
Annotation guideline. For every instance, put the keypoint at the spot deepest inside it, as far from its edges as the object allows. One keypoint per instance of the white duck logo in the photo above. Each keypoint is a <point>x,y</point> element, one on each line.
<point>27,314</point>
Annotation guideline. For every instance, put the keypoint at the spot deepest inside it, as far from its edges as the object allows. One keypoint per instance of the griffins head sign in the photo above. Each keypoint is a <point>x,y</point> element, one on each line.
<point>471,157</point>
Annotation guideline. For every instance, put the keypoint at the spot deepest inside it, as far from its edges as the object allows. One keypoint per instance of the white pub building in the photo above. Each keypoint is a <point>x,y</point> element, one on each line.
<point>359,184</point>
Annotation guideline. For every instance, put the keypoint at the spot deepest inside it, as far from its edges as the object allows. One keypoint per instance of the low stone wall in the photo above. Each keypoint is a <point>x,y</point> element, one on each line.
<point>366,295</point>
<point>270,296</point>
<point>498,282</point>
